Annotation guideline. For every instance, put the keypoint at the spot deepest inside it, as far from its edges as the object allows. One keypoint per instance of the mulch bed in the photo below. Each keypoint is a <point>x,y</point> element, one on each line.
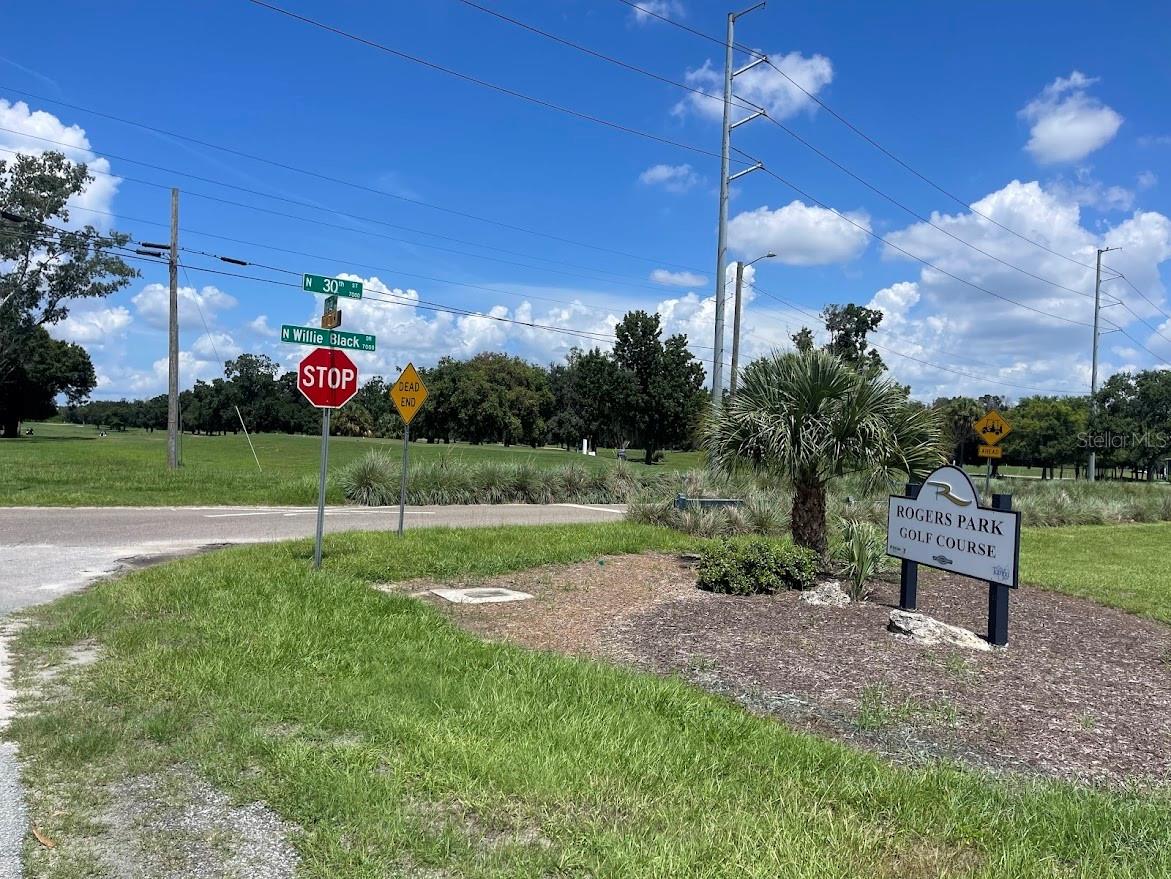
<point>1082,692</point>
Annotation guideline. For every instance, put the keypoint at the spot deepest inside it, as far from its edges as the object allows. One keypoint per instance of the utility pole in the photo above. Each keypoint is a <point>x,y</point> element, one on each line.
<point>740,266</point>
<point>725,180</point>
<point>1091,471</point>
<point>173,341</point>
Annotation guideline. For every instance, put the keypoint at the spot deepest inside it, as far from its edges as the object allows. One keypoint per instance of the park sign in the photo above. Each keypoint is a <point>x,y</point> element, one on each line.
<point>945,527</point>
<point>327,378</point>
<point>331,286</point>
<point>321,338</point>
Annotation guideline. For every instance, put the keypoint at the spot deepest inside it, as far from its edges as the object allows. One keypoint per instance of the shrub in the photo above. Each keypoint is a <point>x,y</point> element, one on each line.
<point>862,554</point>
<point>372,480</point>
<point>756,566</point>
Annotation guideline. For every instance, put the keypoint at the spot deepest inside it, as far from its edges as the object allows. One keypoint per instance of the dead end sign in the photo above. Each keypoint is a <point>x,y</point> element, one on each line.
<point>945,527</point>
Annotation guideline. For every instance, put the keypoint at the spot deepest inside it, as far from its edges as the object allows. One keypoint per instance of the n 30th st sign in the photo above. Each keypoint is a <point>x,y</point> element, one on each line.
<point>946,528</point>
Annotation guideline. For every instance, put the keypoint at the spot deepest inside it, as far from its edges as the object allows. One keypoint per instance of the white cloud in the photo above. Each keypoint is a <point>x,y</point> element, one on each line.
<point>1085,190</point>
<point>1147,180</point>
<point>936,318</point>
<point>31,124</point>
<point>800,234</point>
<point>259,325</point>
<point>678,279</point>
<point>92,326</point>
<point>645,11</point>
<point>762,86</point>
<point>673,178</point>
<point>152,305</point>
<point>1067,123</point>
<point>220,346</point>
<point>1150,140</point>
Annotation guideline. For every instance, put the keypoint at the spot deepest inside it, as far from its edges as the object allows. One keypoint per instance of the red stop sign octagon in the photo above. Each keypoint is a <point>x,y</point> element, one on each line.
<point>327,378</point>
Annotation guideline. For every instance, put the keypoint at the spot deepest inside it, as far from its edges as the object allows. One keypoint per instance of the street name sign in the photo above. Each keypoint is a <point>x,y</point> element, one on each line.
<point>321,338</point>
<point>408,393</point>
<point>945,527</point>
<point>328,378</point>
<point>990,452</point>
<point>992,428</point>
<point>331,286</point>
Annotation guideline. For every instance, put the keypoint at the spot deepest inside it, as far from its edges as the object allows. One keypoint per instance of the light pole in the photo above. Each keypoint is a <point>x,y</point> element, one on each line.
<point>1092,470</point>
<point>736,321</point>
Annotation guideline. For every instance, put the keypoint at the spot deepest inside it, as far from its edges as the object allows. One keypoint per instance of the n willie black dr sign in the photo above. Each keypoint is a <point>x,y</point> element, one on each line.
<point>944,526</point>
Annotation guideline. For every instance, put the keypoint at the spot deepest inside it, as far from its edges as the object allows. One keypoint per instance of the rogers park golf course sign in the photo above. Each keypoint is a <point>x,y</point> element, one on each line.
<point>941,524</point>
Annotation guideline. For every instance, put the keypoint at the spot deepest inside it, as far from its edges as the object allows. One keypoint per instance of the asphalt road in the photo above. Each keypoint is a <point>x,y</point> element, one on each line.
<point>46,552</point>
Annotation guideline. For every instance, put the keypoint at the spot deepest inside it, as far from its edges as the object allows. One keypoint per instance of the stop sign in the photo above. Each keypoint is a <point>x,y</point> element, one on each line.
<point>327,378</point>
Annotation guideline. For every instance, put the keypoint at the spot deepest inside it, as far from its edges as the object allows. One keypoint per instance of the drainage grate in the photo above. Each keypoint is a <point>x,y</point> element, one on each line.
<point>480,595</point>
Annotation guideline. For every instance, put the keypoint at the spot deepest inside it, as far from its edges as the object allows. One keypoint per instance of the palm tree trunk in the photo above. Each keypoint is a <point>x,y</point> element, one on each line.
<point>808,519</point>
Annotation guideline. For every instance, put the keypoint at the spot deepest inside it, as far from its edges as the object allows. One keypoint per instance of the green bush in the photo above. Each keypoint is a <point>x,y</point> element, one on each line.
<point>757,566</point>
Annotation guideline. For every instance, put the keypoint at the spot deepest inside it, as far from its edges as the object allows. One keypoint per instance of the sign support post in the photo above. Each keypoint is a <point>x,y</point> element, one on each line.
<point>908,570</point>
<point>998,592</point>
<point>408,395</point>
<point>321,487</point>
<point>402,489</point>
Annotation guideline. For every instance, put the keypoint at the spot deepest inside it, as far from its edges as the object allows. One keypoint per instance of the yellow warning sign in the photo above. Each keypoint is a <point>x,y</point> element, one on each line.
<point>991,429</point>
<point>409,393</point>
<point>990,452</point>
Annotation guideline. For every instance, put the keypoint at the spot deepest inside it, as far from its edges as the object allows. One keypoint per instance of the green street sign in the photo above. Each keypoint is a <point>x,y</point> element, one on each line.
<point>327,338</point>
<point>332,286</point>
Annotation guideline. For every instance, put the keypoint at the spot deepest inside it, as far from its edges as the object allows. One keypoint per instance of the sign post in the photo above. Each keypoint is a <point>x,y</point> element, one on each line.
<point>328,379</point>
<point>408,395</point>
<point>991,429</point>
<point>942,525</point>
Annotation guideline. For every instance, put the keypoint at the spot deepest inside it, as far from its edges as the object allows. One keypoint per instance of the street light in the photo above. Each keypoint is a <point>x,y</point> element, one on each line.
<point>736,321</point>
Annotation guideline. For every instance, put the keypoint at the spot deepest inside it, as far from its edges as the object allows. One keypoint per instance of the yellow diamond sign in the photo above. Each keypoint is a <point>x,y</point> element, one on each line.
<point>408,393</point>
<point>992,428</point>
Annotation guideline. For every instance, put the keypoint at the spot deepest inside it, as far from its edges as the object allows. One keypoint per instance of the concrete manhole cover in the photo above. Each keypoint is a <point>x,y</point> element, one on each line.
<point>481,595</point>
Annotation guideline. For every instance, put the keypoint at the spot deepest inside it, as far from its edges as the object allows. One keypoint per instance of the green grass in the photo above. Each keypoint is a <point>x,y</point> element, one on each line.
<point>1125,566</point>
<point>403,746</point>
<point>69,465</point>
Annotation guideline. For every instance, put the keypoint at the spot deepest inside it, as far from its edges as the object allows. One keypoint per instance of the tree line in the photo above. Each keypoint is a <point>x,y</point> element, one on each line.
<point>646,393</point>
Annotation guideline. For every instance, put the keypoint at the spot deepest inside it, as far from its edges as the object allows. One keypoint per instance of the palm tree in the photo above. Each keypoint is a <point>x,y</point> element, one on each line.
<point>810,417</point>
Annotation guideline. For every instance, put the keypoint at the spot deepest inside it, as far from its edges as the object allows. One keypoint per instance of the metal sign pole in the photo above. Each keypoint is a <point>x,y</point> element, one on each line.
<point>402,491</point>
<point>998,592</point>
<point>321,487</point>
<point>987,475</point>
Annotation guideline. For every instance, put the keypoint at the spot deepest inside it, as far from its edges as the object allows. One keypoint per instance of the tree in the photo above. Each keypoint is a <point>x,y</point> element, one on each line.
<point>47,266</point>
<point>667,382</point>
<point>848,326</point>
<point>803,339</point>
<point>1134,415</point>
<point>811,417</point>
<point>958,414</point>
<point>592,393</point>
<point>44,368</point>
<point>1045,432</point>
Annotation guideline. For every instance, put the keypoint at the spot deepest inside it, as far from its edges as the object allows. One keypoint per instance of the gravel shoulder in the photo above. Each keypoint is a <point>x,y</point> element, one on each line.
<point>1082,693</point>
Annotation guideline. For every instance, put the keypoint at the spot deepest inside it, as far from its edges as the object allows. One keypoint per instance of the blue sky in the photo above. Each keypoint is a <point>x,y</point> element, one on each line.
<point>1049,118</point>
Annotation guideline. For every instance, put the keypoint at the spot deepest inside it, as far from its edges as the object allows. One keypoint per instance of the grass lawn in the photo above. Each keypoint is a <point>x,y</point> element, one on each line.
<point>402,746</point>
<point>1124,566</point>
<point>69,465</point>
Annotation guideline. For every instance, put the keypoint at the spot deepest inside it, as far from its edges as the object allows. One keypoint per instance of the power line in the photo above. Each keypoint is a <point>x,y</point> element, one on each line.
<point>920,360</point>
<point>316,222</point>
<point>337,180</point>
<point>919,259</point>
<point>793,134</point>
<point>858,131</point>
<point>414,59</point>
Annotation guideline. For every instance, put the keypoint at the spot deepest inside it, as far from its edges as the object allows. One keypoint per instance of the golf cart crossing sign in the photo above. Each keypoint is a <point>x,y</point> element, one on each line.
<point>941,524</point>
<point>946,528</point>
